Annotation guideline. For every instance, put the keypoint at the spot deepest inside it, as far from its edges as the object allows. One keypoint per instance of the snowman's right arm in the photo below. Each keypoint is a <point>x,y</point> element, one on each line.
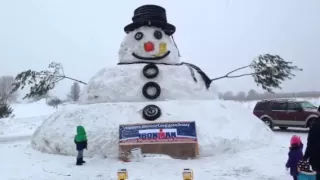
<point>204,76</point>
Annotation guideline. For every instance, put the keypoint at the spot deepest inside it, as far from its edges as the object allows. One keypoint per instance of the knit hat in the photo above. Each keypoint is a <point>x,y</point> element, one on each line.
<point>295,140</point>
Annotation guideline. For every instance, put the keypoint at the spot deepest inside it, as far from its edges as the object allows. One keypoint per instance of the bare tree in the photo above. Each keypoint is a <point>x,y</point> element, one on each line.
<point>74,92</point>
<point>241,96</point>
<point>252,95</point>
<point>228,95</point>
<point>41,82</point>
<point>269,71</point>
<point>6,88</point>
<point>54,102</point>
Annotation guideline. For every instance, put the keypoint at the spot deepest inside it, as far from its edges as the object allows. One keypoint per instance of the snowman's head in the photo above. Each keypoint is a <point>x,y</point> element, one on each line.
<point>148,44</point>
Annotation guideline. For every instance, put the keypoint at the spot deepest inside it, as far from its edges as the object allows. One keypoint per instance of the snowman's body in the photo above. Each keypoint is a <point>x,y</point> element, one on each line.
<point>124,82</point>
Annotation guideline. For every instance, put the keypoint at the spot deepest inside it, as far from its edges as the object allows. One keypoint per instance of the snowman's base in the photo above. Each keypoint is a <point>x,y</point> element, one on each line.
<point>221,126</point>
<point>176,150</point>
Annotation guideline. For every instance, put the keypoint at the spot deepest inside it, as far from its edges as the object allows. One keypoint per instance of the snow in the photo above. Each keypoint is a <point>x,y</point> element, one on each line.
<point>217,124</point>
<point>130,45</point>
<point>124,83</point>
<point>21,161</point>
<point>26,110</point>
<point>249,165</point>
<point>29,116</point>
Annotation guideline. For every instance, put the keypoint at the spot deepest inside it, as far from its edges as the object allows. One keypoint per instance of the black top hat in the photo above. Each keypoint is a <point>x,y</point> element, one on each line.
<point>150,15</point>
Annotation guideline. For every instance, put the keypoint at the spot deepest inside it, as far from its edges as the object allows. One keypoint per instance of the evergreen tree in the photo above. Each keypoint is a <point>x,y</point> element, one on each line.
<point>5,109</point>
<point>74,92</point>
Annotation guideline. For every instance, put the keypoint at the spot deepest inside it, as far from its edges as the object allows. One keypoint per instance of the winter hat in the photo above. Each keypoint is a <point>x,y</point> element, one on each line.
<point>295,140</point>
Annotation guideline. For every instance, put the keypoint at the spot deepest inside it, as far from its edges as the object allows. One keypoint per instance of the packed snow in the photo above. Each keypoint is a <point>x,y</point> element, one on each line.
<point>217,132</point>
<point>29,116</point>
<point>124,83</point>
<point>35,109</point>
<point>21,161</point>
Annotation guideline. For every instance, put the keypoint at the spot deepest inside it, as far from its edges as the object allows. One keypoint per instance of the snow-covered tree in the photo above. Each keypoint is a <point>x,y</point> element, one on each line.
<point>5,109</point>
<point>54,101</point>
<point>74,93</point>
<point>6,88</point>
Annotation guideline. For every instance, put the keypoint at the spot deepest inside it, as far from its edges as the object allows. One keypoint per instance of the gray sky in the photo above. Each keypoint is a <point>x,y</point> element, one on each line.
<point>217,35</point>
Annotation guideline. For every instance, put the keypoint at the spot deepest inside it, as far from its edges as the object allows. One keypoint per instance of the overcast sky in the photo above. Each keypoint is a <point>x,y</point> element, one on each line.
<point>217,35</point>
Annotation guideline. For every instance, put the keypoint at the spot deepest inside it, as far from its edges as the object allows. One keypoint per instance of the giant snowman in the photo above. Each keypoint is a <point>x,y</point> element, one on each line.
<point>150,85</point>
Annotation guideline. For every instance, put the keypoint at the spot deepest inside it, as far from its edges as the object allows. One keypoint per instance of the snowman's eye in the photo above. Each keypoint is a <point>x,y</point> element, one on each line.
<point>157,34</point>
<point>138,36</point>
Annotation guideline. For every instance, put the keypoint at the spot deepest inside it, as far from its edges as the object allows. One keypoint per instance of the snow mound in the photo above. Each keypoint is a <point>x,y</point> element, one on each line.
<point>27,110</point>
<point>19,126</point>
<point>221,126</point>
<point>124,83</point>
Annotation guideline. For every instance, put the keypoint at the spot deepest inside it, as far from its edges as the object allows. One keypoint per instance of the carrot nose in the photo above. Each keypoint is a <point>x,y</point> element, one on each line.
<point>148,46</point>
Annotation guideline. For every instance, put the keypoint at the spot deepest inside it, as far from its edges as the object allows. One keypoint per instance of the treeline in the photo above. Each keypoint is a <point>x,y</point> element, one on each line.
<point>254,95</point>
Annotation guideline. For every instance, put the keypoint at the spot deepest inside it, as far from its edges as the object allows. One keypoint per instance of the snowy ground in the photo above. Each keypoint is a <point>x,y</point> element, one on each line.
<point>20,161</point>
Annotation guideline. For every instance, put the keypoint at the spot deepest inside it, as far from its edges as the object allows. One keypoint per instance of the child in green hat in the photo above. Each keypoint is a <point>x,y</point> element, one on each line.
<point>81,142</point>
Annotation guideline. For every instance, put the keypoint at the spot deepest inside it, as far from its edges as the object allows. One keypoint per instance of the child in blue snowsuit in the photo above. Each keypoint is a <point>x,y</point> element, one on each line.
<point>295,156</point>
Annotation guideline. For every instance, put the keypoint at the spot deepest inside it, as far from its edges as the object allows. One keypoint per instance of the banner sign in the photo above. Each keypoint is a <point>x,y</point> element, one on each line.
<point>158,133</point>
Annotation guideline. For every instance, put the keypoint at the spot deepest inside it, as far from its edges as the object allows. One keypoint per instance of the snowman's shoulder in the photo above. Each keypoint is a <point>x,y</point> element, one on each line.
<point>197,70</point>
<point>119,69</point>
<point>181,69</point>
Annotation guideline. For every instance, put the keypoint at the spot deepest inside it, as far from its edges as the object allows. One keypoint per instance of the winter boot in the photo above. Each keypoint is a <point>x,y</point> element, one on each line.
<point>79,162</point>
<point>82,161</point>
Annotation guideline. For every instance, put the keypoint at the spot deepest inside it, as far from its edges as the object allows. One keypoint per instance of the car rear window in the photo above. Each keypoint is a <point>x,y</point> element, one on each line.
<point>261,106</point>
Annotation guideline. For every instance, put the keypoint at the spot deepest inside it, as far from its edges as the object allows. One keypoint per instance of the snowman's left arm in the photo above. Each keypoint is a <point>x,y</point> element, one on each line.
<point>204,76</point>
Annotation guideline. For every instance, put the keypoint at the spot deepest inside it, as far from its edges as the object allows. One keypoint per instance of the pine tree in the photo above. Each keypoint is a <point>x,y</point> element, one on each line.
<point>5,109</point>
<point>74,92</point>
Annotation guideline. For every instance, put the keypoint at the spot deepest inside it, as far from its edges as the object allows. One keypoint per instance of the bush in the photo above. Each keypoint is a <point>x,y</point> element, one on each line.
<point>5,109</point>
<point>54,102</point>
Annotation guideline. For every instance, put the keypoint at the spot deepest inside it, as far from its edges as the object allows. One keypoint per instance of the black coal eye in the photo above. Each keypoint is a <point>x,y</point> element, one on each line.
<point>138,36</point>
<point>157,34</point>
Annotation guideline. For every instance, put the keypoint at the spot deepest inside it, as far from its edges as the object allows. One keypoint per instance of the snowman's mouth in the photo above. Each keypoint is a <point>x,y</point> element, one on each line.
<point>151,58</point>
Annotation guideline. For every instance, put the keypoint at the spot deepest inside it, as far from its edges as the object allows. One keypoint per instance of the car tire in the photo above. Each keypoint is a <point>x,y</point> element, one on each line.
<point>310,122</point>
<point>146,69</point>
<point>148,85</point>
<point>151,112</point>
<point>283,128</point>
<point>268,122</point>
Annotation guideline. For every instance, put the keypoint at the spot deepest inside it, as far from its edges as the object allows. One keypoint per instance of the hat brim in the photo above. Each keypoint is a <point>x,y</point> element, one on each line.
<point>168,28</point>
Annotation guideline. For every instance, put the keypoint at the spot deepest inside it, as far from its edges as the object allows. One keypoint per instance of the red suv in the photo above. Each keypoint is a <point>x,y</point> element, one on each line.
<point>286,113</point>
